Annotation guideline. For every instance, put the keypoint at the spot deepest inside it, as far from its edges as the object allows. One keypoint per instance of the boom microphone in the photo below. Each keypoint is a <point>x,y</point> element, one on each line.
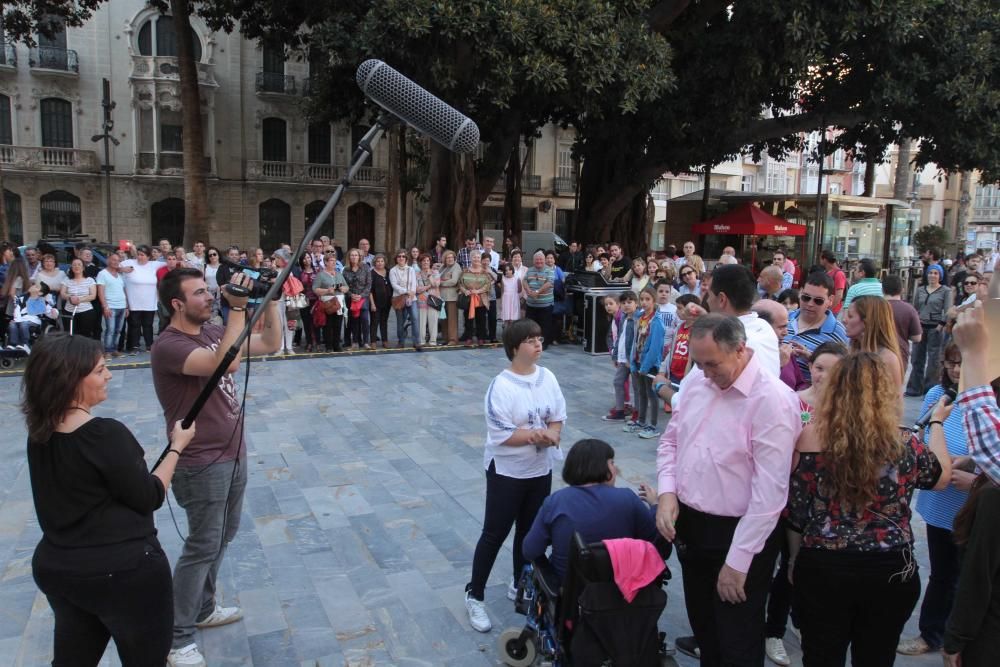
<point>416,107</point>
<point>950,394</point>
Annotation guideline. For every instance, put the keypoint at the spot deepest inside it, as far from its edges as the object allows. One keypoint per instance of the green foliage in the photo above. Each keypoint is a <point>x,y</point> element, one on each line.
<point>23,20</point>
<point>931,237</point>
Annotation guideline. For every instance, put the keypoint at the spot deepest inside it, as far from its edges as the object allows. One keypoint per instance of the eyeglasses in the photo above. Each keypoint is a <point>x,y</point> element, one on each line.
<point>971,283</point>
<point>213,254</point>
<point>398,256</point>
<point>818,300</point>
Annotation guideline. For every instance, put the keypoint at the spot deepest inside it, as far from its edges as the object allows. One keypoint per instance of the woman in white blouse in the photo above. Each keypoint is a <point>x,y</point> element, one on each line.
<point>525,412</point>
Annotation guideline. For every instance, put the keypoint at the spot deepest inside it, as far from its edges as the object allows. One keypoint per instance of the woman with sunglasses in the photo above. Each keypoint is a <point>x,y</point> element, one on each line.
<point>689,281</point>
<point>212,264</point>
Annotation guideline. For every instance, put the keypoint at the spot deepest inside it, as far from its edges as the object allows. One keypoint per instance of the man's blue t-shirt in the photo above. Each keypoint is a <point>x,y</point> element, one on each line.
<point>598,512</point>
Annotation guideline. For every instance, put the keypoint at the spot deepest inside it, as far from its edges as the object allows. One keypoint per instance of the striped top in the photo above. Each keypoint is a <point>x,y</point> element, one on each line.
<point>830,330</point>
<point>940,507</point>
<point>864,287</point>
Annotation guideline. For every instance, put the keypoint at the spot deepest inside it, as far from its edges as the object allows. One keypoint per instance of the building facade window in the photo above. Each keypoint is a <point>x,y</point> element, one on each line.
<point>274,144</point>
<point>275,224</point>
<point>158,37</point>
<point>987,196</point>
<point>166,220</point>
<point>357,133</point>
<point>320,144</point>
<point>61,214</point>
<point>689,186</point>
<point>747,183</point>
<point>6,127</point>
<point>312,211</point>
<point>776,177</point>
<point>57,123</point>
<point>12,205</point>
<point>565,168</point>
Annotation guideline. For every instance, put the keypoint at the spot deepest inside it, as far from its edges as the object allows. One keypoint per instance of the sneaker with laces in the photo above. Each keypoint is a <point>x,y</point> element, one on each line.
<point>775,649</point>
<point>189,656</point>
<point>632,427</point>
<point>614,416</point>
<point>913,646</point>
<point>478,618</point>
<point>221,616</point>
<point>688,646</point>
<point>649,432</point>
<point>512,590</point>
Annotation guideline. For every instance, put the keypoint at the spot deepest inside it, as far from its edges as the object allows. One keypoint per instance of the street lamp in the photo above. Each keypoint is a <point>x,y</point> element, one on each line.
<point>107,126</point>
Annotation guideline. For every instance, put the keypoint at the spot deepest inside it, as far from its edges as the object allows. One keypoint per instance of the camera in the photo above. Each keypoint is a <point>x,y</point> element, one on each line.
<point>261,281</point>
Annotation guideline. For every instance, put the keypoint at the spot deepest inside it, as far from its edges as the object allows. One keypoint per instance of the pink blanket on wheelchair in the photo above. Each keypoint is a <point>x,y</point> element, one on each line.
<point>636,563</point>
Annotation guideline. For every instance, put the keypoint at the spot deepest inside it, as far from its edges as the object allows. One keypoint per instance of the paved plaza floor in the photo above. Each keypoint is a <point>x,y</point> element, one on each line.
<point>363,507</point>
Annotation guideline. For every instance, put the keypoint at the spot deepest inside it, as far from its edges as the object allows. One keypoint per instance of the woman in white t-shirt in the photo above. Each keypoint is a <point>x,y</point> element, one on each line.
<point>140,290</point>
<point>78,292</point>
<point>525,412</point>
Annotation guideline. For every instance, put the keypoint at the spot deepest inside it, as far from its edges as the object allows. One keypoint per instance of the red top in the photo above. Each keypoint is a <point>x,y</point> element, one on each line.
<point>679,361</point>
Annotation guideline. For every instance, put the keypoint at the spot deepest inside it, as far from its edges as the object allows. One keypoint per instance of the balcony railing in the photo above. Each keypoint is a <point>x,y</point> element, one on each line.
<point>8,56</point>
<point>986,214</point>
<point>169,163</point>
<point>563,185</point>
<point>32,158</point>
<point>310,86</point>
<point>54,59</point>
<point>531,182</point>
<point>299,172</point>
<point>166,68</point>
<point>272,82</point>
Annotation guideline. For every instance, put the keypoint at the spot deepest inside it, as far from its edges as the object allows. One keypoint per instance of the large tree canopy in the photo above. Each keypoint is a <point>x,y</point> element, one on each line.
<point>663,86</point>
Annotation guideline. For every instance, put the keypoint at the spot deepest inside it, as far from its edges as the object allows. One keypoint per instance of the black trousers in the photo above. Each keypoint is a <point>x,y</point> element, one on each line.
<point>84,324</point>
<point>140,321</point>
<point>331,332</point>
<point>509,501</point>
<point>135,607</point>
<point>856,600</point>
<point>475,327</point>
<point>779,602</point>
<point>543,316</point>
<point>380,322</point>
<point>729,635</point>
<point>941,585</point>
<point>491,320</point>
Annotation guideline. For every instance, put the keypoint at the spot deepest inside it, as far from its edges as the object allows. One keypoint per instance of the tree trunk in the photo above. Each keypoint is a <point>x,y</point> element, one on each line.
<point>964,203</point>
<point>512,198</point>
<point>454,203</point>
<point>902,184</point>
<point>393,231</point>
<point>870,166</point>
<point>196,227</point>
<point>706,192</point>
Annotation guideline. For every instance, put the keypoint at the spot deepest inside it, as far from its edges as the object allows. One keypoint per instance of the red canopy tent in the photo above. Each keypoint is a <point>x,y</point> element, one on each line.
<point>749,220</point>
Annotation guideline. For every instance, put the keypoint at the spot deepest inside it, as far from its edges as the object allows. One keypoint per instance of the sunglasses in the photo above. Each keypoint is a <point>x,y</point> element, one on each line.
<point>213,254</point>
<point>971,283</point>
<point>818,300</point>
<point>398,256</point>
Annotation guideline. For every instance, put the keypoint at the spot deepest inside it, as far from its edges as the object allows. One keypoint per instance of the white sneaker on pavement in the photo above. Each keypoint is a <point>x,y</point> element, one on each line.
<point>189,656</point>
<point>512,590</point>
<point>478,618</point>
<point>221,616</point>
<point>775,649</point>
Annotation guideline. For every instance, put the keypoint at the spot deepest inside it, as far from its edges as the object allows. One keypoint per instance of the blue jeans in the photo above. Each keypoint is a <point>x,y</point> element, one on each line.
<point>18,333</point>
<point>940,593</point>
<point>113,329</point>
<point>408,312</point>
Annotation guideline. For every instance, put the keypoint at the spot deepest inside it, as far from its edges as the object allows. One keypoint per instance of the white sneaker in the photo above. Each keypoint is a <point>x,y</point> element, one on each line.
<point>632,427</point>
<point>512,590</point>
<point>221,616</point>
<point>478,618</point>
<point>775,649</point>
<point>189,656</point>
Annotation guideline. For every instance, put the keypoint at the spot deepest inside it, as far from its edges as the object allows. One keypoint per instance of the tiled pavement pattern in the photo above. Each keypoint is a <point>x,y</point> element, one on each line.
<point>364,504</point>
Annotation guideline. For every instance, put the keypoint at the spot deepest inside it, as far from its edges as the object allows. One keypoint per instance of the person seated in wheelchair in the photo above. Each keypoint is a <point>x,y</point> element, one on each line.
<point>592,506</point>
<point>31,310</point>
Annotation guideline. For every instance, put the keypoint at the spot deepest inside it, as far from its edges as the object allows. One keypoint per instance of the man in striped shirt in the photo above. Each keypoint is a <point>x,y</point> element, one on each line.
<point>978,402</point>
<point>813,323</point>
<point>867,284</point>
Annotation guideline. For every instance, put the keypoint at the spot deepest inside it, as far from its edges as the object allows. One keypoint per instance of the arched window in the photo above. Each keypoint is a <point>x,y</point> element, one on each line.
<point>360,224</point>
<point>12,204</point>
<point>6,128</point>
<point>166,220</point>
<point>275,224</point>
<point>312,211</point>
<point>61,214</point>
<point>320,147</point>
<point>158,37</point>
<point>57,123</point>
<point>274,140</point>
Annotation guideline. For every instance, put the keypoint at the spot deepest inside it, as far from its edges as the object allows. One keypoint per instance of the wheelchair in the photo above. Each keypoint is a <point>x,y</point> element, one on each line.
<point>585,621</point>
<point>8,356</point>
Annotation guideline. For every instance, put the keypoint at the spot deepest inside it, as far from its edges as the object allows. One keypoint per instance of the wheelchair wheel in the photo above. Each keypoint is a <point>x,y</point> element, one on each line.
<point>513,651</point>
<point>6,362</point>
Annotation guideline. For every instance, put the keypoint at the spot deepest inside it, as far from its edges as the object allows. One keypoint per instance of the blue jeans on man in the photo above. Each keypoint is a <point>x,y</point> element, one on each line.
<point>113,329</point>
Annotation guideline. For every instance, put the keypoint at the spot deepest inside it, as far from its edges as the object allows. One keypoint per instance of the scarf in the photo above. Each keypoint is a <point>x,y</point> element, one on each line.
<point>642,333</point>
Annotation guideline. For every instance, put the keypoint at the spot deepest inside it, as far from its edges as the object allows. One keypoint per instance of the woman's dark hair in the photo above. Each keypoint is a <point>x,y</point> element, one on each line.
<point>170,286</point>
<point>209,250</point>
<point>962,527</point>
<point>587,463</point>
<point>303,258</point>
<point>685,299</point>
<point>833,347</point>
<point>789,295</point>
<point>517,333</point>
<point>144,249</point>
<point>56,366</point>
<point>950,350</point>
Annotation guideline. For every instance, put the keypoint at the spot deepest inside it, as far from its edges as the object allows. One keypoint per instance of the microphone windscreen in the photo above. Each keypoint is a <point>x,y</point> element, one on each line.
<point>416,107</point>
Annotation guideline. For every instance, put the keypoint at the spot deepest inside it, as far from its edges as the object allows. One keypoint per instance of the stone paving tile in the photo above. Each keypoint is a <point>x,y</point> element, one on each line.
<point>364,502</point>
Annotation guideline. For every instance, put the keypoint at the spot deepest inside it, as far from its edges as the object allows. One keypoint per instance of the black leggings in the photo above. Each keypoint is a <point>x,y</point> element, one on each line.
<point>135,607</point>
<point>508,501</point>
<point>140,321</point>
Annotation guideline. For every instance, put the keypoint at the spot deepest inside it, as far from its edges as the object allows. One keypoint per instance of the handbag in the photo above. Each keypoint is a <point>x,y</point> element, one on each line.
<point>399,302</point>
<point>331,307</point>
<point>463,301</point>
<point>434,302</point>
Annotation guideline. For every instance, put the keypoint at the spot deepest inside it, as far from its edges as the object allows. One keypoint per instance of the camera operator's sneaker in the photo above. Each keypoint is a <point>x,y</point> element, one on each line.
<point>221,616</point>
<point>189,656</point>
<point>632,427</point>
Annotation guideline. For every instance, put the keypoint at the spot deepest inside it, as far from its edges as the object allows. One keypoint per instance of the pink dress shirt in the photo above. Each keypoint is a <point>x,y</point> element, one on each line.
<point>729,453</point>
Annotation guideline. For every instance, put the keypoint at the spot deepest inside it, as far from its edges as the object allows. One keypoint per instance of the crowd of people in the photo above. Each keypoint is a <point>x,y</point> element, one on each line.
<point>783,478</point>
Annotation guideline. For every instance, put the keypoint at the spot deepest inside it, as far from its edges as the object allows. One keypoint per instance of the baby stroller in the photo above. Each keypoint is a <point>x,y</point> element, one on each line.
<point>586,621</point>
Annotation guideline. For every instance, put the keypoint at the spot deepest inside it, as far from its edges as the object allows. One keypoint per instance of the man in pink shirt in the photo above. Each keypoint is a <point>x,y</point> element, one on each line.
<point>723,466</point>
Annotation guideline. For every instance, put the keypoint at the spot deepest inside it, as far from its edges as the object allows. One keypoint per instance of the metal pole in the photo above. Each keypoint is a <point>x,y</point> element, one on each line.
<point>820,221</point>
<point>107,127</point>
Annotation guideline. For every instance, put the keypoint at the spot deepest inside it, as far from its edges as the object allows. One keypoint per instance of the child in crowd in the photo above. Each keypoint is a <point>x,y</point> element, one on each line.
<point>29,309</point>
<point>675,359</point>
<point>646,353</point>
<point>621,350</point>
<point>789,299</point>
<point>510,296</point>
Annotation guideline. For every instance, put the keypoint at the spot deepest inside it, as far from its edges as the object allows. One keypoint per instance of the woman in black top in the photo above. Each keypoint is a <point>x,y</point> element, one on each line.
<point>381,301</point>
<point>99,562</point>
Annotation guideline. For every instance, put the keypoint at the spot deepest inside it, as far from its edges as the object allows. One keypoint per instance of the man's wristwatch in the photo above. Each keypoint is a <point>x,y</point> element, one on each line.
<point>238,309</point>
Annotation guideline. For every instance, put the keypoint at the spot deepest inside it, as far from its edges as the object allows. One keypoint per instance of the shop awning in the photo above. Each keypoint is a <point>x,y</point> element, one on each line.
<point>749,220</point>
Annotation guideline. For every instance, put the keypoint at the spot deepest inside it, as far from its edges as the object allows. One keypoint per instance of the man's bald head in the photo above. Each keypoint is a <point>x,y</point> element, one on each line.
<point>770,279</point>
<point>774,314</point>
